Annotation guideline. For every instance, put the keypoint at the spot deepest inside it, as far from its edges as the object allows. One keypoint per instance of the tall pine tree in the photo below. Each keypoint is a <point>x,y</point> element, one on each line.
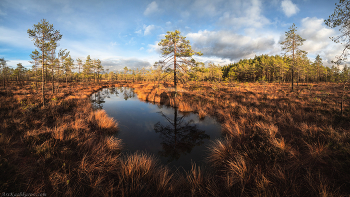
<point>176,46</point>
<point>44,37</point>
<point>291,45</point>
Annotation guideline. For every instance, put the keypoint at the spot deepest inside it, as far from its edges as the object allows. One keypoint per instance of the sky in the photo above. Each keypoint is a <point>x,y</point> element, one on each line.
<point>126,33</point>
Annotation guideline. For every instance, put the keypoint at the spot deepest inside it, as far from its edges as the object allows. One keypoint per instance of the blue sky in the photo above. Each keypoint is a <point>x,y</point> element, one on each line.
<point>126,33</point>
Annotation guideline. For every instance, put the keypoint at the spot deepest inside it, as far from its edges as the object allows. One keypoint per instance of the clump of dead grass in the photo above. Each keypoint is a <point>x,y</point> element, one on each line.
<point>140,174</point>
<point>104,122</point>
<point>275,143</point>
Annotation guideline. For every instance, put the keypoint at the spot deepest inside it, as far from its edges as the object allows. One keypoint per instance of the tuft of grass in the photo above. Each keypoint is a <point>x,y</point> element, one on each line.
<point>140,174</point>
<point>104,122</point>
<point>202,114</point>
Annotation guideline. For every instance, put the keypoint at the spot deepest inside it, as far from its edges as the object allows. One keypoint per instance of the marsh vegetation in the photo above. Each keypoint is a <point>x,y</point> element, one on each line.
<point>276,142</point>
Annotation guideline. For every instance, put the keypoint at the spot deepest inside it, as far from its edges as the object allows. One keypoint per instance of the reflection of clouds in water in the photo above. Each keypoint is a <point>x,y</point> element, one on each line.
<point>165,109</point>
<point>123,93</point>
<point>168,111</point>
<point>207,121</point>
<point>149,126</point>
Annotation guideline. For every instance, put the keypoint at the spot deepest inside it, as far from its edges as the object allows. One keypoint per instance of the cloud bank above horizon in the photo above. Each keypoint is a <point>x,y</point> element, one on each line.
<point>126,33</point>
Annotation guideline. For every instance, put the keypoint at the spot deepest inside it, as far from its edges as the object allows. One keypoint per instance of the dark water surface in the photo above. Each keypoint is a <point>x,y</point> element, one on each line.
<point>175,138</point>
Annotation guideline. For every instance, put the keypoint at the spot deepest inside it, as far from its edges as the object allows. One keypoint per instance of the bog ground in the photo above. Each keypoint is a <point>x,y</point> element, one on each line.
<point>277,142</point>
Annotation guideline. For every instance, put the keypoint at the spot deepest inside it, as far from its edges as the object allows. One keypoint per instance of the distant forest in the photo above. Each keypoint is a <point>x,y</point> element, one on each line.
<point>261,68</point>
<point>278,69</point>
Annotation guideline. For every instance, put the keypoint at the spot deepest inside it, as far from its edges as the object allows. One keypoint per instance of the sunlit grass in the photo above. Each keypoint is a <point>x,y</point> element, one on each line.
<point>275,143</point>
<point>273,136</point>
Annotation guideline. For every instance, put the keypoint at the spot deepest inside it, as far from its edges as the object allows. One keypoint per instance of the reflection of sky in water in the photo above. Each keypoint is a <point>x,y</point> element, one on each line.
<point>136,120</point>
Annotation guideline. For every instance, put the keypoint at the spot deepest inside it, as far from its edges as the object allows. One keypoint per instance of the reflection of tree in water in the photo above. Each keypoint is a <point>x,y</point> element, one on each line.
<point>179,137</point>
<point>98,98</point>
<point>129,93</point>
<point>110,91</point>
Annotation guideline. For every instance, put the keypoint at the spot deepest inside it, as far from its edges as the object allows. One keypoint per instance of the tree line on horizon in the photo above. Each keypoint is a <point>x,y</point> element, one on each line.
<point>277,68</point>
<point>266,68</point>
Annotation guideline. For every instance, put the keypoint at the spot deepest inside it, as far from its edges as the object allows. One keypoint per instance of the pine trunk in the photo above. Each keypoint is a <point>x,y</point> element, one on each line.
<point>42,77</point>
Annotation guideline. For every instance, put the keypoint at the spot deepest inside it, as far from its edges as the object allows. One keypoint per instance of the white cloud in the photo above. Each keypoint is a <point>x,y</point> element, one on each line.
<point>138,31</point>
<point>154,48</point>
<point>148,29</point>
<point>82,49</point>
<point>317,39</point>
<point>115,64</point>
<point>215,60</point>
<point>289,8</point>
<point>168,23</point>
<point>161,36</point>
<point>151,8</point>
<point>15,38</point>
<point>225,44</point>
<point>248,15</point>
<point>314,29</point>
<point>13,63</point>
<point>131,42</point>
<point>141,48</point>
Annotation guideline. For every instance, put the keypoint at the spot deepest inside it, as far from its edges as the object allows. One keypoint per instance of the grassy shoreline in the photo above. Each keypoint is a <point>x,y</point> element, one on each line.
<point>277,143</point>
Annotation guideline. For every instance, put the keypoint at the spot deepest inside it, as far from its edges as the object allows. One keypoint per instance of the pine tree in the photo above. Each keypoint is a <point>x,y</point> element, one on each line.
<point>126,70</point>
<point>36,60</point>
<point>99,68</point>
<point>341,17</point>
<point>18,72</point>
<point>176,46</point>
<point>52,65</point>
<point>68,65</point>
<point>3,64</point>
<point>87,67</point>
<point>318,64</point>
<point>62,55</point>
<point>80,64</point>
<point>44,36</point>
<point>291,45</point>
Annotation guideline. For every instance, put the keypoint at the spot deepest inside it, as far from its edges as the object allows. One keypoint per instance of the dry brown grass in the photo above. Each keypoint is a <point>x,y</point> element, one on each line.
<point>275,143</point>
<point>103,121</point>
<point>140,175</point>
<point>53,145</point>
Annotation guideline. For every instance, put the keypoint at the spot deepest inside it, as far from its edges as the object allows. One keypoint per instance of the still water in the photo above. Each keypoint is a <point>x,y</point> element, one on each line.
<point>176,139</point>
